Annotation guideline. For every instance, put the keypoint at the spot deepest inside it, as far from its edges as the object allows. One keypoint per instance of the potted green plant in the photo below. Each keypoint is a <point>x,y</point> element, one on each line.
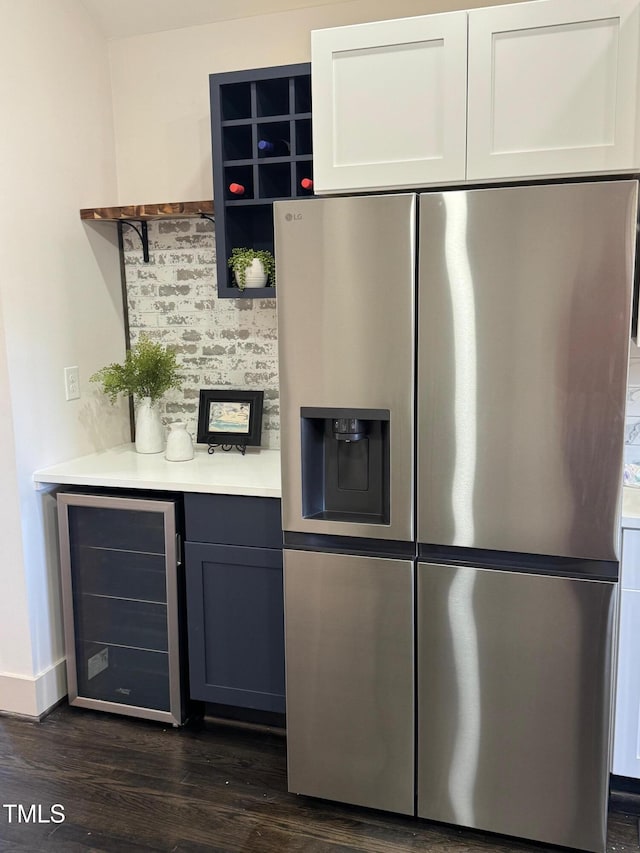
<point>252,267</point>
<point>149,370</point>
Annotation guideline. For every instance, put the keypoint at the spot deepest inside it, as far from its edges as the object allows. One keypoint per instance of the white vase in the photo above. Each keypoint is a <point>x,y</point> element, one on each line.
<point>255,276</point>
<point>149,429</point>
<point>179,443</point>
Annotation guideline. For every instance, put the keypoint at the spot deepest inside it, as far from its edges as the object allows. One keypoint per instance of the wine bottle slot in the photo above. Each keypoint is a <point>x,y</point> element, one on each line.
<point>306,184</point>
<point>280,147</point>
<point>236,189</point>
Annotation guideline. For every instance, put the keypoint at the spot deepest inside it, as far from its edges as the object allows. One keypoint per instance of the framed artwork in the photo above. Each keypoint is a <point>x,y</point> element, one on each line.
<point>230,418</point>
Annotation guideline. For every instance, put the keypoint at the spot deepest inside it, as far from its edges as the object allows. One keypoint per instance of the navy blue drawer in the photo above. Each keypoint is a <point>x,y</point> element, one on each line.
<point>233,520</point>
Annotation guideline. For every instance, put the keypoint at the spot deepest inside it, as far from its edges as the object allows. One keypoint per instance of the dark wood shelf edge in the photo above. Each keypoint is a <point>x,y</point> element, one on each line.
<point>169,210</point>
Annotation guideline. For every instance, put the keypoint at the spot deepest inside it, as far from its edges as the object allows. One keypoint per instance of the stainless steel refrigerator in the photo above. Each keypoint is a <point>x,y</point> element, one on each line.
<point>453,377</point>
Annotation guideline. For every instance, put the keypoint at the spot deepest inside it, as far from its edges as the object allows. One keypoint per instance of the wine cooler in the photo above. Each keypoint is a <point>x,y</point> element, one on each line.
<point>122,599</point>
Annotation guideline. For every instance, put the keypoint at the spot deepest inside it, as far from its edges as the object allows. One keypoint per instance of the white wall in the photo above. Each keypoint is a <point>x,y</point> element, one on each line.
<point>161,88</point>
<point>61,305</point>
<point>15,636</point>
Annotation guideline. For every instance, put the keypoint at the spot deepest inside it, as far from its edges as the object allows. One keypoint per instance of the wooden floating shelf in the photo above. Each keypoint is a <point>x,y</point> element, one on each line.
<point>170,210</point>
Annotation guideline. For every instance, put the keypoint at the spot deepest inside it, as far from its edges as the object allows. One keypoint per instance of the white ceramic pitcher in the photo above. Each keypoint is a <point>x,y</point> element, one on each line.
<point>179,443</point>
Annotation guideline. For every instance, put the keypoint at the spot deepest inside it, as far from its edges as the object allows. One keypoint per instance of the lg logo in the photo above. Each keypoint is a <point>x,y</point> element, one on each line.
<point>292,216</point>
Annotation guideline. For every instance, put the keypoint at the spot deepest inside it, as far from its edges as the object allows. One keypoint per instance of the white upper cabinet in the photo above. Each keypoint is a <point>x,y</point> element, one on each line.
<point>552,88</point>
<point>389,103</point>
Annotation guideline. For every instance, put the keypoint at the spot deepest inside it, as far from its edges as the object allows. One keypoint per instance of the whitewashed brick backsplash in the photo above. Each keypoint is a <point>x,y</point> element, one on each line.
<point>221,343</point>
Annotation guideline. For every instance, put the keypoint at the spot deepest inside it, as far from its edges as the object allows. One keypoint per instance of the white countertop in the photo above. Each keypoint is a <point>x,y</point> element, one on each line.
<point>225,473</point>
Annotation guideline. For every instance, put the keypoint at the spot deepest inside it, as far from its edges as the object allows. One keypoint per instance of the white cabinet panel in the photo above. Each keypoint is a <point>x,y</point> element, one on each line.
<point>552,88</point>
<point>389,103</point>
<point>626,748</point>
<point>630,571</point>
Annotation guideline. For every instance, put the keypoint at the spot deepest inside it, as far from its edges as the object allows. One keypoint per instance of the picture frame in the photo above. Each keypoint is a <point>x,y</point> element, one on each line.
<point>228,418</point>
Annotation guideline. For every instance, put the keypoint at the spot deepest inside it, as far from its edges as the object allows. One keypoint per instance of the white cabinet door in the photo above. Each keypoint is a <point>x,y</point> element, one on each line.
<point>389,103</point>
<point>626,744</point>
<point>552,88</point>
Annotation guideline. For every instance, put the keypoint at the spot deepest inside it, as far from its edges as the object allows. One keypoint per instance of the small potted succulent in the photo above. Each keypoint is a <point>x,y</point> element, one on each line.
<point>149,370</point>
<point>253,267</point>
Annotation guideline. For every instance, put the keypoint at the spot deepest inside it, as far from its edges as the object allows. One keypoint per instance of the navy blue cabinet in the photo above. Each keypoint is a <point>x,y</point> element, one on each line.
<point>235,612</point>
<point>261,145</point>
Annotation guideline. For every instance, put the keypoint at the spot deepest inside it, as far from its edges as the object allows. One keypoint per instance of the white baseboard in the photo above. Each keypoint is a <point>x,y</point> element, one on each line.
<point>33,696</point>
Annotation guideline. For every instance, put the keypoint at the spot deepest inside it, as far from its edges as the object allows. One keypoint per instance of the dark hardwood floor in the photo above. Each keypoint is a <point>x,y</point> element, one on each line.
<point>129,785</point>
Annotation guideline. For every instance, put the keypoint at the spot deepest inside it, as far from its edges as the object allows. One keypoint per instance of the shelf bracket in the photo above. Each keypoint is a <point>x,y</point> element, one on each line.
<point>143,235</point>
<point>210,218</point>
